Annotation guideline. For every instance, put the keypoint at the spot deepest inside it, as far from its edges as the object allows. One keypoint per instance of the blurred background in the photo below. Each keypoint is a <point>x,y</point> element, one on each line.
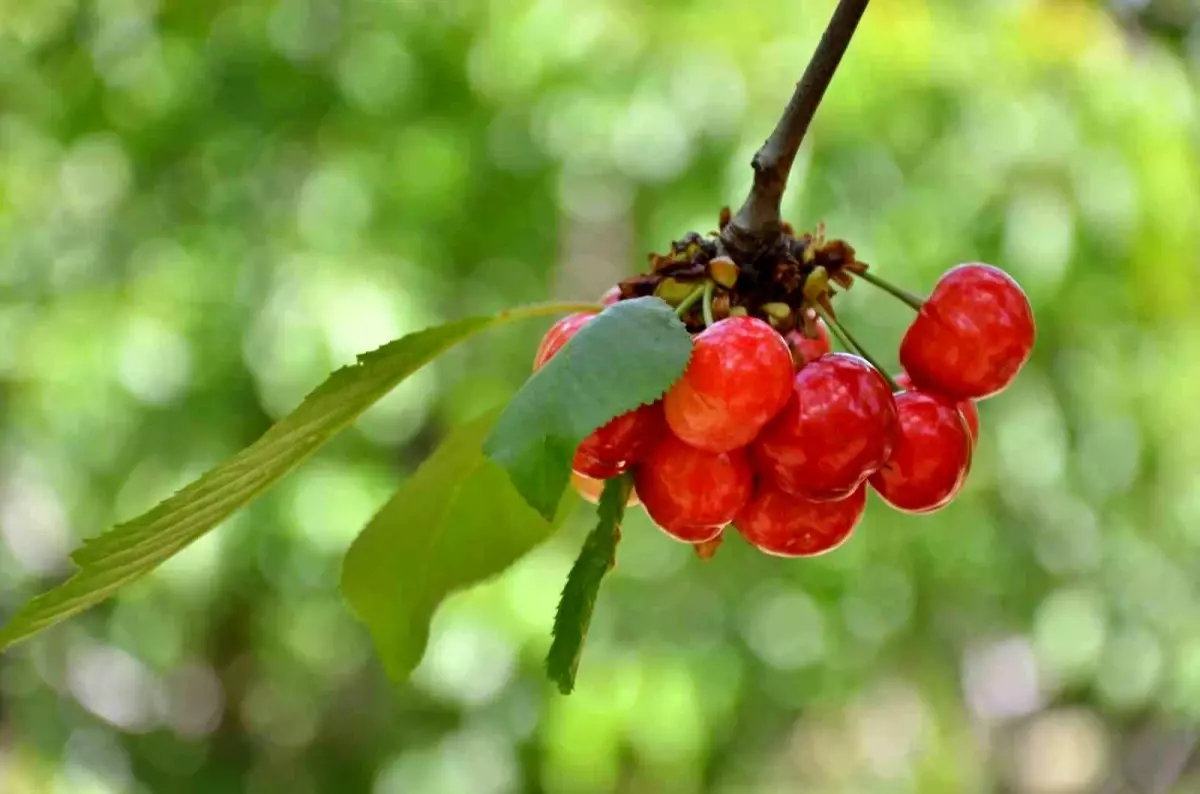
<point>206,207</point>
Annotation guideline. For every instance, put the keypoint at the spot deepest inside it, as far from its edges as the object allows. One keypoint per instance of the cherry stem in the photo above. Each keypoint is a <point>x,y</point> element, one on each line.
<point>847,339</point>
<point>706,304</point>
<point>903,294</point>
<point>837,331</point>
<point>687,303</point>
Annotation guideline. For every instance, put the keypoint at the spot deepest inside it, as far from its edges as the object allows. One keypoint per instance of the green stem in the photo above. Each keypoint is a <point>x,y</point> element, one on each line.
<point>847,339</point>
<point>837,332</point>
<point>689,301</point>
<point>903,294</point>
<point>544,309</point>
<point>706,305</point>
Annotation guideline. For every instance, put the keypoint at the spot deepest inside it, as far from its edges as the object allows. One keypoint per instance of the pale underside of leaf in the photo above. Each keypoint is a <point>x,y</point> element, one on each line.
<point>456,522</point>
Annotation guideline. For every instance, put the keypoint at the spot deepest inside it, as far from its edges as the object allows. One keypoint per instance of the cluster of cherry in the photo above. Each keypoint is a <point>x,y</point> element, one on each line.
<point>780,436</point>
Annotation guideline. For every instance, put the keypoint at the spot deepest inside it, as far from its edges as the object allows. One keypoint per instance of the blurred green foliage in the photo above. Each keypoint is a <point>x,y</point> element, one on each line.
<point>206,207</point>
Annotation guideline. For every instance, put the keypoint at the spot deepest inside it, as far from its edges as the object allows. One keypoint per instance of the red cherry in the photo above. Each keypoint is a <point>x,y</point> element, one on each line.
<point>621,443</point>
<point>929,464</point>
<point>558,335</point>
<point>804,349</point>
<point>967,407</point>
<point>970,413</point>
<point>837,428</point>
<point>972,336</point>
<point>591,489</point>
<point>690,493</point>
<point>625,440</point>
<point>737,380</point>
<point>789,526</point>
<point>611,296</point>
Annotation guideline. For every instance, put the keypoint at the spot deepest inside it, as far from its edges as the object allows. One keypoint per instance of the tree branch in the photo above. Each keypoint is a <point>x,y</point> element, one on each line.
<point>757,224</point>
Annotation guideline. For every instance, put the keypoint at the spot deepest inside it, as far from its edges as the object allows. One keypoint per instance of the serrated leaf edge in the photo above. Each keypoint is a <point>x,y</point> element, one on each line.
<point>139,553</point>
<point>489,447</point>
<point>602,540</point>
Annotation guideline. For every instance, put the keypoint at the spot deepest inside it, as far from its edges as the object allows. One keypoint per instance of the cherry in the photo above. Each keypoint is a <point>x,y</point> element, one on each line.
<point>791,526</point>
<point>967,407</point>
<point>692,494</point>
<point>972,335</point>
<point>611,296</point>
<point>737,380</point>
<point>804,349</point>
<point>558,335</point>
<point>590,489</point>
<point>621,443</point>
<point>929,463</point>
<point>836,429</point>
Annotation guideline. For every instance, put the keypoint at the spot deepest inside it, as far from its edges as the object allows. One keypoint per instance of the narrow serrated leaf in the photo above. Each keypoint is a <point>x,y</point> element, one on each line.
<point>456,522</point>
<point>578,600</point>
<point>133,549</point>
<point>629,355</point>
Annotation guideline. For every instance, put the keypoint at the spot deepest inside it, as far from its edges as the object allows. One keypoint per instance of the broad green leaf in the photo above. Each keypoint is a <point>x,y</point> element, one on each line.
<point>456,522</point>
<point>578,600</point>
<point>627,356</point>
<point>131,550</point>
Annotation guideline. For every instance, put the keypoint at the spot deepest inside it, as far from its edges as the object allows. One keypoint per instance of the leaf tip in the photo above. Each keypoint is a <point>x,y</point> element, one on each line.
<point>595,560</point>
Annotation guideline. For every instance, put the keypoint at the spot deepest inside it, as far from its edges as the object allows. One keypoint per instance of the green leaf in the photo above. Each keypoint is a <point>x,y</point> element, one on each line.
<point>628,356</point>
<point>131,550</point>
<point>578,600</point>
<point>456,522</point>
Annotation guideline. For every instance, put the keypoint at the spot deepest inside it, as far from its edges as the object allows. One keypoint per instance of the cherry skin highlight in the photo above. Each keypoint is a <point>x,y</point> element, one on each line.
<point>790,526</point>
<point>618,445</point>
<point>692,494</point>
<point>738,379</point>
<point>591,489</point>
<point>804,349</point>
<point>972,336</point>
<point>929,464</point>
<point>836,429</point>
<point>967,408</point>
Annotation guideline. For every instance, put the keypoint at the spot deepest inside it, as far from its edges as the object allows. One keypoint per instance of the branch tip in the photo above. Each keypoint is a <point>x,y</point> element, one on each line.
<point>757,225</point>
